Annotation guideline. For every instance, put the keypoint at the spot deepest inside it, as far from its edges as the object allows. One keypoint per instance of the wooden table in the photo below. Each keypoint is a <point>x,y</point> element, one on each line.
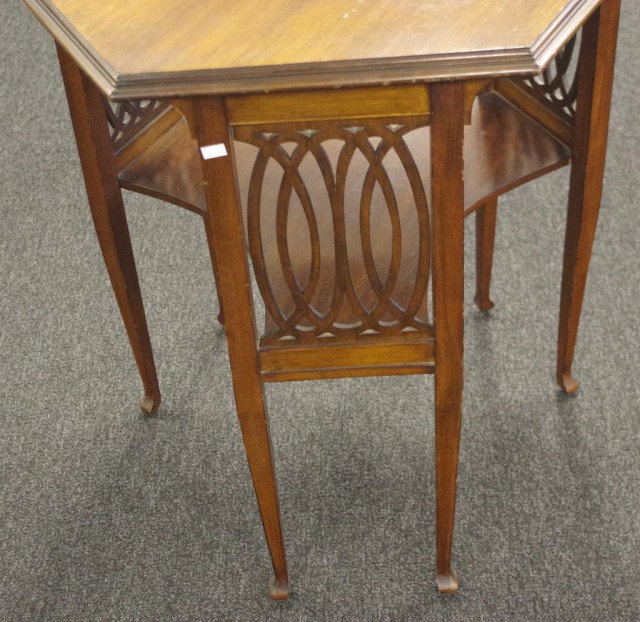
<point>339,146</point>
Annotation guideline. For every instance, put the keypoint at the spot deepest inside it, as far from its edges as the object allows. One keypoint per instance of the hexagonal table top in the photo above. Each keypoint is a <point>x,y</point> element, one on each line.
<point>185,47</point>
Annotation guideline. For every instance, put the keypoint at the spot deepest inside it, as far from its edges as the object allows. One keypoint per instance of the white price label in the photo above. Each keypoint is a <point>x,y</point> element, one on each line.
<point>213,151</point>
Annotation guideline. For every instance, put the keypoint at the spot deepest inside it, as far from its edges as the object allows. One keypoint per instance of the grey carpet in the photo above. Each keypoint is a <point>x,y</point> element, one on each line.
<point>107,515</point>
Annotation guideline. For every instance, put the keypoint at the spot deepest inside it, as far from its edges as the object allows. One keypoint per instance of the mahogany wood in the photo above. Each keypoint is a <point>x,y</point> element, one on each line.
<point>353,284</point>
<point>533,107</point>
<point>390,357</point>
<point>447,189</point>
<point>226,227</point>
<point>556,86</point>
<point>485,237</point>
<point>88,116</point>
<point>360,103</point>
<point>189,47</point>
<point>128,119</point>
<point>152,141</point>
<point>503,149</point>
<point>148,134</point>
<point>409,87</point>
<point>214,265</point>
<point>169,169</point>
<point>595,83</point>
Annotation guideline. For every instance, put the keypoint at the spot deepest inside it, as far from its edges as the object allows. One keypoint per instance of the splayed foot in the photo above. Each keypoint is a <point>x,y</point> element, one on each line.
<point>568,383</point>
<point>278,590</point>
<point>447,583</point>
<point>484,303</point>
<point>149,404</point>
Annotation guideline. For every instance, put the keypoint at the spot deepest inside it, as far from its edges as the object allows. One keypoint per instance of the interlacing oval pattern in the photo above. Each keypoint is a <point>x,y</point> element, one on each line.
<point>127,118</point>
<point>557,85</point>
<point>349,285</point>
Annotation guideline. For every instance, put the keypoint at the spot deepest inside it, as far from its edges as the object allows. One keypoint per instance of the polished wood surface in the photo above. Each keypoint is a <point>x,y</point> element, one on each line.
<point>227,229</point>
<point>362,103</point>
<point>447,189</point>
<point>486,216</point>
<point>176,47</point>
<point>503,148</point>
<point>443,116</point>
<point>535,109</point>
<point>595,84</point>
<point>169,168</point>
<point>107,210</point>
<point>388,357</point>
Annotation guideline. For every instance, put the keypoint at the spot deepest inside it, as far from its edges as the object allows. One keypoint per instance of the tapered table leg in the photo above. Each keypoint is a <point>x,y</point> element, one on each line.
<point>214,265</point>
<point>227,235</point>
<point>89,119</point>
<point>447,135</point>
<point>595,80</point>
<point>485,238</point>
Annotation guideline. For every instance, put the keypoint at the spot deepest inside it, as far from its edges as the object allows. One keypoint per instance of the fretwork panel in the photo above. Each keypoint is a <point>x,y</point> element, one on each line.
<point>557,85</point>
<point>128,118</point>
<point>338,230</point>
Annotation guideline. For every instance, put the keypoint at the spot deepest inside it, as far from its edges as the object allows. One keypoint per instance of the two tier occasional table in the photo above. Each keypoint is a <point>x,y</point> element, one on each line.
<point>333,149</point>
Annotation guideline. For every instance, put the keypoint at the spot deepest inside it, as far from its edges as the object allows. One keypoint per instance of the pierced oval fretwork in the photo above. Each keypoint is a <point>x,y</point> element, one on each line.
<point>127,118</point>
<point>557,85</point>
<point>338,231</point>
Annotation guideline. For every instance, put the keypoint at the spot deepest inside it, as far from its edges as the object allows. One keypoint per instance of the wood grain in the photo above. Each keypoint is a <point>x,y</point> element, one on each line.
<point>170,169</point>
<point>227,238</point>
<point>533,107</point>
<point>333,361</point>
<point>595,82</point>
<point>95,148</point>
<point>164,48</point>
<point>485,238</point>
<point>323,104</point>
<point>432,58</point>
<point>447,188</point>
